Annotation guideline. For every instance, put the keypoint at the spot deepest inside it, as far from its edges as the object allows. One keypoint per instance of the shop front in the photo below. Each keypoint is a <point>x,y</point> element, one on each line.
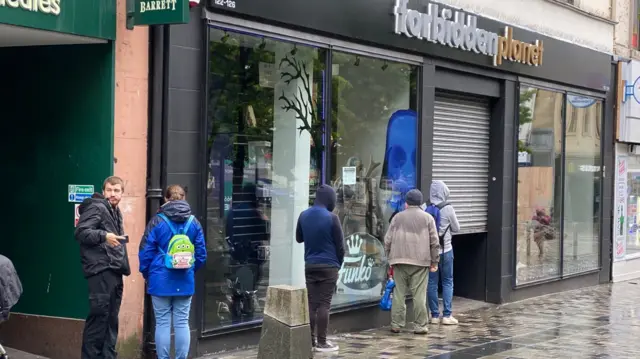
<point>626,237</point>
<point>263,102</point>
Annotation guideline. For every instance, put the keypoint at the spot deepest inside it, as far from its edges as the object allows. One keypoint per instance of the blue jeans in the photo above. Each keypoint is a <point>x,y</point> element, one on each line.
<point>165,308</point>
<point>445,274</point>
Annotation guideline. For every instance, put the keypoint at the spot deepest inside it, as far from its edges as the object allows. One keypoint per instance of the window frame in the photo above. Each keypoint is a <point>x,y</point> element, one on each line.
<point>601,101</point>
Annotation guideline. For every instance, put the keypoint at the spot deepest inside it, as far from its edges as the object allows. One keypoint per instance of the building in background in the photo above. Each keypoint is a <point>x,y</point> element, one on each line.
<point>626,236</point>
<point>259,103</point>
<point>73,100</point>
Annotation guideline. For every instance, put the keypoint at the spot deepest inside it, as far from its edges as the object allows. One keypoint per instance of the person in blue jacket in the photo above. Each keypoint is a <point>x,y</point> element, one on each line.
<point>171,289</point>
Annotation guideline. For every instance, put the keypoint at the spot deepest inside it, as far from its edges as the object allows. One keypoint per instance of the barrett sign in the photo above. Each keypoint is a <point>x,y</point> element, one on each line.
<point>459,30</point>
<point>157,12</point>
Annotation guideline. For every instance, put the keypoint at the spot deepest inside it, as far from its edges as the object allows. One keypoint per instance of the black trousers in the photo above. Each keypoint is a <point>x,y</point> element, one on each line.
<point>321,284</point>
<point>101,328</point>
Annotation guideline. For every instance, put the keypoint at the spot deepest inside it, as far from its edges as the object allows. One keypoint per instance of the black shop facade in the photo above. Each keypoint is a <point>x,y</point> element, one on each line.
<point>254,104</point>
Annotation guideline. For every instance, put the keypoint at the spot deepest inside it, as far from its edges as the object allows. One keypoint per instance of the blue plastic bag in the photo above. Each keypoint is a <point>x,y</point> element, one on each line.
<point>386,301</point>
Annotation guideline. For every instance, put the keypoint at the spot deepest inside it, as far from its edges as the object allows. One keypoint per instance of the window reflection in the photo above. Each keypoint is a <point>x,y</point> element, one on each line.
<point>539,184</point>
<point>582,196</point>
<point>373,162</point>
<point>265,155</point>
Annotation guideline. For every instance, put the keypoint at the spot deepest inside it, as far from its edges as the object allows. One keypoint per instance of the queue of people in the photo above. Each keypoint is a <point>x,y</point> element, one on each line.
<point>172,249</point>
<point>417,245</point>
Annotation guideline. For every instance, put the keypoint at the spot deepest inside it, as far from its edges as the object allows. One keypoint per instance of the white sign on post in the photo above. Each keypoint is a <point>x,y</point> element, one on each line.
<point>348,176</point>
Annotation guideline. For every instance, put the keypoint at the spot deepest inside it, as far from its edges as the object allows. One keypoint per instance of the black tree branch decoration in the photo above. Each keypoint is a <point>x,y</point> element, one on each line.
<point>302,102</point>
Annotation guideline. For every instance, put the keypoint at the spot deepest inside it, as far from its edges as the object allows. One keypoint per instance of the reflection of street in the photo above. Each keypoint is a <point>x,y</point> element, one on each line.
<point>581,254</point>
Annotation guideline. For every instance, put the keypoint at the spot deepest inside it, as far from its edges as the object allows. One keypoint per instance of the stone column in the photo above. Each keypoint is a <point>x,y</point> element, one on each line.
<point>291,165</point>
<point>286,333</point>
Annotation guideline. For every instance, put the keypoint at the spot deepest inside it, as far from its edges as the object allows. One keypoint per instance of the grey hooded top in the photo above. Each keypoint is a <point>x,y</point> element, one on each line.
<point>10,287</point>
<point>438,193</point>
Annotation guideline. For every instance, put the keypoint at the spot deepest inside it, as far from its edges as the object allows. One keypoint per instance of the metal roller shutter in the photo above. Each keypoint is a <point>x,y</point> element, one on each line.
<point>461,157</point>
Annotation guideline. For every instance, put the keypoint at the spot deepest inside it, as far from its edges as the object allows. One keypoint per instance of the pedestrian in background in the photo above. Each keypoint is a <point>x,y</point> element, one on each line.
<point>320,231</point>
<point>171,251</point>
<point>447,221</point>
<point>103,251</point>
<point>412,247</point>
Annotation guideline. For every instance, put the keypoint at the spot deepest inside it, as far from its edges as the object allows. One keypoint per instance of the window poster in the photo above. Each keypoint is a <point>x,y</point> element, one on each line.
<point>620,232</point>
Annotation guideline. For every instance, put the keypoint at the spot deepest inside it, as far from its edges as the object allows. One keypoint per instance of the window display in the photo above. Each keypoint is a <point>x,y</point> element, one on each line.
<point>539,184</point>
<point>373,163</point>
<point>265,152</point>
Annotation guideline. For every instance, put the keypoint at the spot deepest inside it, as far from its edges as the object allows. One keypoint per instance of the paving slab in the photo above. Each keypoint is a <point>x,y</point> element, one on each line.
<point>596,322</point>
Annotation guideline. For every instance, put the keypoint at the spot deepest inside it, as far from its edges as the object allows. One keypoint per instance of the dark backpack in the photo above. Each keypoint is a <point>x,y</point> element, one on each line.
<point>434,211</point>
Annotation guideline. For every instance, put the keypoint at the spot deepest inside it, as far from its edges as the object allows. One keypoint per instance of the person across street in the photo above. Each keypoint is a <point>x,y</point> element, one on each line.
<point>320,231</point>
<point>171,251</point>
<point>439,194</point>
<point>412,247</point>
<point>103,251</point>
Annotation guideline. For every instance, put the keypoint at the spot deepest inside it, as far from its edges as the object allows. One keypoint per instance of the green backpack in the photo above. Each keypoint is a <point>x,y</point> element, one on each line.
<point>180,251</point>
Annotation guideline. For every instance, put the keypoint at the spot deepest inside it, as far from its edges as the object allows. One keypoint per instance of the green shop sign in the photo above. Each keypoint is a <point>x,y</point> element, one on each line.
<point>157,12</point>
<point>88,18</point>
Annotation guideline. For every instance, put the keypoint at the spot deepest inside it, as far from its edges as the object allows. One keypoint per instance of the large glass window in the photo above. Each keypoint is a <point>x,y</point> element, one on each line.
<point>265,148</point>
<point>582,187</point>
<point>559,185</point>
<point>539,184</point>
<point>373,162</point>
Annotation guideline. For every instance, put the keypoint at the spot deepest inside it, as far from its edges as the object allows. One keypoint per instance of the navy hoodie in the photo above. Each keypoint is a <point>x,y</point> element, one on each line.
<point>320,231</point>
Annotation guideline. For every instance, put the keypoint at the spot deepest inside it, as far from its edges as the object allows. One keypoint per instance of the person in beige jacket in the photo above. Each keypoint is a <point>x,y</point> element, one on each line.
<point>413,249</point>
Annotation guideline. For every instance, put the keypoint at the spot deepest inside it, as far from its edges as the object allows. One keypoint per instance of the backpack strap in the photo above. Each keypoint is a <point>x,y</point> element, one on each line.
<point>188,224</point>
<point>168,222</point>
<point>441,205</point>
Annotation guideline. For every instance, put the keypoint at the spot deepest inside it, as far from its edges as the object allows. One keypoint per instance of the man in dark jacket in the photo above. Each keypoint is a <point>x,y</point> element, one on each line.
<point>100,232</point>
<point>320,231</point>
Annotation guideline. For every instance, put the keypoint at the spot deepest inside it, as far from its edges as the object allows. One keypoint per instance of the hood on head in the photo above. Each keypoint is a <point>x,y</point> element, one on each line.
<point>177,211</point>
<point>325,197</point>
<point>96,198</point>
<point>439,192</point>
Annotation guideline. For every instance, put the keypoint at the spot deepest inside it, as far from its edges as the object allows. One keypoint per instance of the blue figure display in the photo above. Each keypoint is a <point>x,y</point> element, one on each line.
<point>399,166</point>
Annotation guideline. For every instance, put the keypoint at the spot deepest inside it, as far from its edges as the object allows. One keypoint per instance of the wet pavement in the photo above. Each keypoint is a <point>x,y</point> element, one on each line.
<point>595,322</point>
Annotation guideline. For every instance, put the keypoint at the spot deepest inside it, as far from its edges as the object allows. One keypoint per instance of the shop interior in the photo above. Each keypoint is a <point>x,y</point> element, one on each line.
<point>56,96</point>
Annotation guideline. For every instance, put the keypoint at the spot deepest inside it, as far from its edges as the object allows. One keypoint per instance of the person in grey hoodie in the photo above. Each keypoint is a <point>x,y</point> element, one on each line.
<point>439,194</point>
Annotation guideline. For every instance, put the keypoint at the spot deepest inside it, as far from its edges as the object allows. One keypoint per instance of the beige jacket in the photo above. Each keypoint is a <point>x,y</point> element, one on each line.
<point>412,238</point>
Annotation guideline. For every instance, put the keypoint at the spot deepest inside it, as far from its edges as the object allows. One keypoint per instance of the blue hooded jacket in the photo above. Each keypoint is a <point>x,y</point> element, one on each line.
<point>320,231</point>
<point>162,281</point>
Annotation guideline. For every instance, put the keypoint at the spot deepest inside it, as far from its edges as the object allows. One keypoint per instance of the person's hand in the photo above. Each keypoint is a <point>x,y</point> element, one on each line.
<point>112,240</point>
<point>434,268</point>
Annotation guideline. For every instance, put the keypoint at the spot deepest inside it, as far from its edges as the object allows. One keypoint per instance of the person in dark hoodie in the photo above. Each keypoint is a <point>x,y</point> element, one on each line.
<point>103,250</point>
<point>320,231</point>
<point>171,286</point>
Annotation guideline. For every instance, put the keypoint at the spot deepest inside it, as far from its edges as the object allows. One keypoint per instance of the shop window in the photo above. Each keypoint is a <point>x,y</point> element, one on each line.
<point>539,185</point>
<point>582,197</point>
<point>558,210</point>
<point>265,152</point>
<point>373,162</point>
